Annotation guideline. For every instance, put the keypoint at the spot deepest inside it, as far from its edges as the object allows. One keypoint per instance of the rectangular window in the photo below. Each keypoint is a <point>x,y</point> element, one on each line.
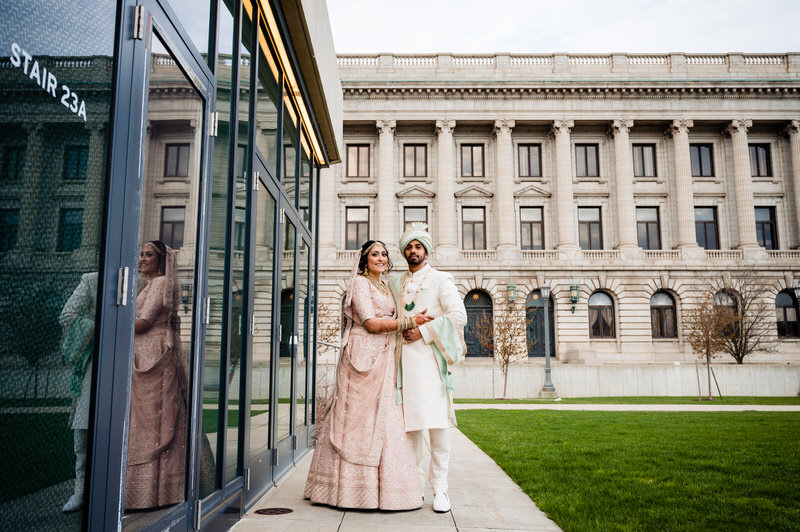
<point>530,160</point>
<point>13,163</point>
<point>531,228</point>
<point>705,224</point>
<point>760,161</point>
<point>586,160</point>
<point>472,160</point>
<point>765,227</point>
<point>647,227</point>
<point>414,214</point>
<point>702,160</point>
<point>70,227</point>
<point>415,160</point>
<point>172,223</point>
<point>176,160</point>
<point>644,160</point>
<point>357,226</point>
<point>75,162</point>
<point>9,229</point>
<point>358,160</point>
<point>473,227</point>
<point>590,228</point>
<point>240,218</point>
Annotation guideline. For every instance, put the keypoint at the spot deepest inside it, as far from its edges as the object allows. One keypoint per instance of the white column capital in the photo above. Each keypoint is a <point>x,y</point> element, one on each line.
<point>792,128</point>
<point>740,125</point>
<point>503,126</point>
<point>680,126</point>
<point>562,127</point>
<point>621,126</point>
<point>385,126</point>
<point>445,126</point>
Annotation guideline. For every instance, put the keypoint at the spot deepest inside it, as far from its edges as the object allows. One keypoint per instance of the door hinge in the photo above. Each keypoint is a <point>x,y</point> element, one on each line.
<point>282,215</point>
<point>212,130</point>
<point>206,311</point>
<point>122,287</point>
<point>247,479</point>
<point>256,179</point>
<point>294,442</point>
<point>252,324</point>
<point>197,510</point>
<point>138,23</point>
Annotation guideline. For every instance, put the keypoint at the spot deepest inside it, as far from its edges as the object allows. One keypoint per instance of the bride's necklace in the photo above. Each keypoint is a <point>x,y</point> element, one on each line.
<point>410,306</point>
<point>379,285</point>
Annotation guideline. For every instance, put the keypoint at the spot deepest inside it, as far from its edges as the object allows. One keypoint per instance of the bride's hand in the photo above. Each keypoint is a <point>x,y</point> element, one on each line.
<point>421,318</point>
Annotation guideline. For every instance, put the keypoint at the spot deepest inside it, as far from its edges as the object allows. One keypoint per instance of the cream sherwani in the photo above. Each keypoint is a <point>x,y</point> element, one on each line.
<point>426,402</point>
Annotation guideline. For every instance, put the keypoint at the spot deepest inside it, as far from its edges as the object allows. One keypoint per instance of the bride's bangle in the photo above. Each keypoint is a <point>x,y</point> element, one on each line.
<point>405,323</point>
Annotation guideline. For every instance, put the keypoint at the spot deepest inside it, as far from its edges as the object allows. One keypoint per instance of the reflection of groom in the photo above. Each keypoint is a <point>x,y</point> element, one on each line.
<point>423,378</point>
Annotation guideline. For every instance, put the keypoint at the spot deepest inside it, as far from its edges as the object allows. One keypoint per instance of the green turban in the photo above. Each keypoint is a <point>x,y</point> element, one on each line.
<point>418,232</point>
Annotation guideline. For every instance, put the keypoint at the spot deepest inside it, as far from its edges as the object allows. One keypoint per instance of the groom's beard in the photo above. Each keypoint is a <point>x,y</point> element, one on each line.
<point>414,260</point>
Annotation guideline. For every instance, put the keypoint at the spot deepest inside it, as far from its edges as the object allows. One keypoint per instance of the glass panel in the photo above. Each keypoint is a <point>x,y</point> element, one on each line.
<point>288,334</point>
<point>589,214</point>
<point>531,214</point>
<point>363,161</point>
<point>47,309</point>
<point>695,156</point>
<point>704,214</point>
<point>705,152</point>
<point>357,214</point>
<point>262,314</point>
<point>580,157</point>
<point>661,299</point>
<point>783,299</point>
<point>421,169</point>
<point>409,160</point>
<point>289,163</point>
<point>195,16</point>
<point>304,196</point>
<point>647,214</point>
<point>477,160</point>
<point>303,353</point>
<point>267,107</point>
<point>156,472</point>
<point>473,214</point>
<point>215,377</point>
<point>466,161</point>
<point>591,160</point>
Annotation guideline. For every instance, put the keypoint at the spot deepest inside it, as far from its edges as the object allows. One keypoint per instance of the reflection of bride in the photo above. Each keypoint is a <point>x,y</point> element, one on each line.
<point>363,458</point>
<point>157,440</point>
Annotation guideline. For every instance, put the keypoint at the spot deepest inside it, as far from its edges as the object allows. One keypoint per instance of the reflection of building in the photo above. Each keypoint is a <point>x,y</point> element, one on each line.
<point>214,148</point>
<point>625,182</point>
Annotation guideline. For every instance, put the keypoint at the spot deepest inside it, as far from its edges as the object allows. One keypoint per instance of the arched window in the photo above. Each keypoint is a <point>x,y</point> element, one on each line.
<point>786,314</point>
<point>534,321</point>
<point>479,334</point>
<point>662,316</point>
<point>728,300</point>
<point>601,316</point>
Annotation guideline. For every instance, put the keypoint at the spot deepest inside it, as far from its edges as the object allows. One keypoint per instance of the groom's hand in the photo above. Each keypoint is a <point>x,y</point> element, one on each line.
<point>412,335</point>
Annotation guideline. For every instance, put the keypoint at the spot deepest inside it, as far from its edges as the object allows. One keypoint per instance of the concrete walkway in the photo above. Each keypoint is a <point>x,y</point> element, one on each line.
<point>483,498</point>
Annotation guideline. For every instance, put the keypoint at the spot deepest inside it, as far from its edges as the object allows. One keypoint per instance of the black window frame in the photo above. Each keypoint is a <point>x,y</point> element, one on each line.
<point>524,154</point>
<point>595,312</point>
<point>69,237</point>
<point>706,224</point>
<point>358,226</point>
<point>533,225</point>
<point>760,160</point>
<point>178,170</point>
<point>582,155</point>
<point>174,226</point>
<point>357,159</point>
<point>75,166</point>
<point>473,225</point>
<point>651,228</point>
<point>787,328</point>
<point>762,226</point>
<point>470,149</point>
<point>406,221</point>
<point>639,158</point>
<point>588,225</point>
<point>699,152</point>
<point>416,171</point>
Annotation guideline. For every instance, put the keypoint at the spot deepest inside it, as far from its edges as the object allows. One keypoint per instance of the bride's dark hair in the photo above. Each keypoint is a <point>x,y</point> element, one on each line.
<point>362,262</point>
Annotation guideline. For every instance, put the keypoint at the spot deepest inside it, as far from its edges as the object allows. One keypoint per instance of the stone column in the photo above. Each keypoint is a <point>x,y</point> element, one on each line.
<point>626,210</point>
<point>384,213</point>
<point>93,193</point>
<point>743,184</point>
<point>446,216</point>
<point>684,193</point>
<point>793,129</point>
<point>565,202</point>
<point>504,198</point>
<point>32,234</point>
<point>327,220</point>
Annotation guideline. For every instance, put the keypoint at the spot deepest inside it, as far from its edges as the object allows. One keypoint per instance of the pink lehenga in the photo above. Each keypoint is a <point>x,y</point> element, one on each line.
<point>363,458</point>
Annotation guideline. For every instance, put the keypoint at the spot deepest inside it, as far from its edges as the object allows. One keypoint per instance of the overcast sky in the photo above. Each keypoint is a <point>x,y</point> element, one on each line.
<point>486,26</point>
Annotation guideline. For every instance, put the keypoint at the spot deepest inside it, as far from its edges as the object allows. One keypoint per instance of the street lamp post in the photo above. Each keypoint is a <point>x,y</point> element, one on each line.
<point>548,390</point>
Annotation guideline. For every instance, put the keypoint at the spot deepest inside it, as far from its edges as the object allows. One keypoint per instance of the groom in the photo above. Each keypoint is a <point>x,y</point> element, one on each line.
<point>424,383</point>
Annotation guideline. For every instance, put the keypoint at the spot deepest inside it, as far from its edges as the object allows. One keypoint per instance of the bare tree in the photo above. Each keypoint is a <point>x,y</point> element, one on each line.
<point>504,336</point>
<point>708,326</point>
<point>753,327</point>
<point>329,332</point>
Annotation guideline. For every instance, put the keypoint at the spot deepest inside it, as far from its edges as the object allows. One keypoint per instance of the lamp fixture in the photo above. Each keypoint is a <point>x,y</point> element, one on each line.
<point>186,296</point>
<point>545,291</point>
<point>797,291</point>
<point>574,294</point>
<point>511,292</point>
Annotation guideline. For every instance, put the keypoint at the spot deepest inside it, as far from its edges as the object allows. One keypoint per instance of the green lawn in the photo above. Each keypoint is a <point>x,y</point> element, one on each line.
<point>633,471</point>
<point>660,400</point>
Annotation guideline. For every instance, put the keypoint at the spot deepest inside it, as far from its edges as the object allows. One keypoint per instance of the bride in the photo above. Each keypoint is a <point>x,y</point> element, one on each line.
<point>363,458</point>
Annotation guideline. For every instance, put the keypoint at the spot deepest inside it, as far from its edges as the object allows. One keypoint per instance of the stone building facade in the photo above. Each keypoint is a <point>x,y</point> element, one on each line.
<point>627,183</point>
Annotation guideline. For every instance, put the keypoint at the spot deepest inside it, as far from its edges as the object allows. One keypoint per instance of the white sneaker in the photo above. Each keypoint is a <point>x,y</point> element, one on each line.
<point>441,502</point>
<point>73,504</point>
